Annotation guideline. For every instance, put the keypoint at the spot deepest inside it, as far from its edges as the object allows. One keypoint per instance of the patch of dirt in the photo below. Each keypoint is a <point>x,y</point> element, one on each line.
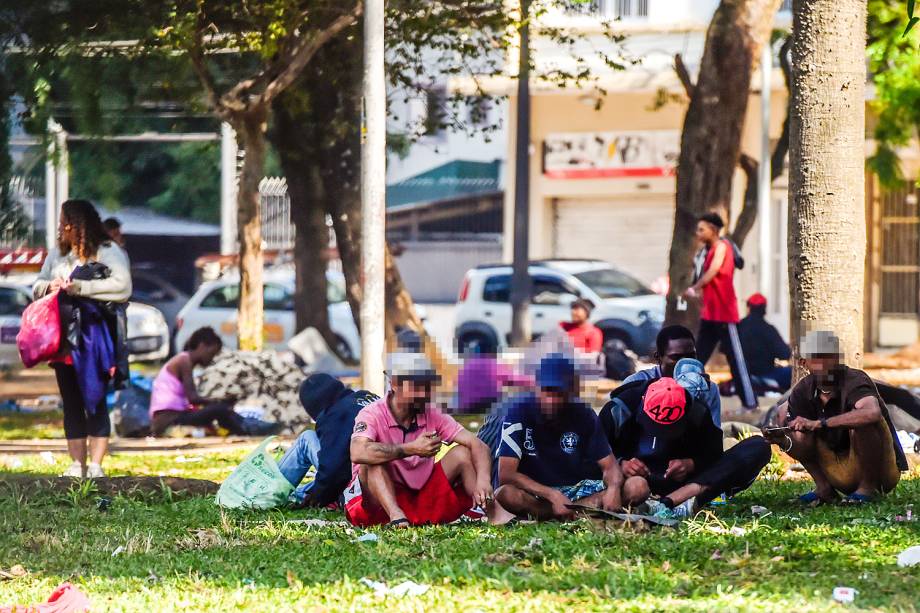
<point>127,486</point>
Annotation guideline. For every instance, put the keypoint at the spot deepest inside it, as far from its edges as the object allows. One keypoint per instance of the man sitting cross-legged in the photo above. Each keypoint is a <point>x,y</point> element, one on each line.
<point>840,428</point>
<point>552,453</point>
<point>666,439</point>
<point>395,478</point>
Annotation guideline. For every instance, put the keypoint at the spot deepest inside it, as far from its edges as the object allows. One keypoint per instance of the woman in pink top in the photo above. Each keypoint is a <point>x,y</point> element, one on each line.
<point>175,400</point>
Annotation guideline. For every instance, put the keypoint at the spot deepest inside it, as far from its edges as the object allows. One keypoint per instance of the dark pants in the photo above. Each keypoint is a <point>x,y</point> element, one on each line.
<point>220,412</point>
<point>725,336</point>
<point>78,421</point>
<point>734,472</point>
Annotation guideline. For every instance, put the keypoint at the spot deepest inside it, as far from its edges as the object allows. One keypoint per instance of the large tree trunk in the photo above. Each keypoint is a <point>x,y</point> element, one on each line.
<point>250,129</point>
<point>711,136</point>
<point>827,221</point>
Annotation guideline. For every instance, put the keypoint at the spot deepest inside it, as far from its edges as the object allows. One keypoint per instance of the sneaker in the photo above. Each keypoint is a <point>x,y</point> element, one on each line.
<point>94,471</point>
<point>75,470</point>
<point>681,511</point>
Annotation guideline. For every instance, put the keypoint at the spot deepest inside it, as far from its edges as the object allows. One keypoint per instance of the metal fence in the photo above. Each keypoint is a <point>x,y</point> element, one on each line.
<point>609,9</point>
<point>26,206</point>
<point>277,226</point>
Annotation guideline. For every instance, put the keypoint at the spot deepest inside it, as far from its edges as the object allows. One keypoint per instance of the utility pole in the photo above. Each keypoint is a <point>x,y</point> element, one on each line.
<point>373,205</point>
<point>520,278</point>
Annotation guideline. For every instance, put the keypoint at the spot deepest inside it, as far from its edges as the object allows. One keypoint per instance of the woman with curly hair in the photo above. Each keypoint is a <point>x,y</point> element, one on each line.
<point>82,240</point>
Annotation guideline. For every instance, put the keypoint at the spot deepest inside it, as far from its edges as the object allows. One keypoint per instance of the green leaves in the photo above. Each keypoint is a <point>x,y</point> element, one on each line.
<point>911,19</point>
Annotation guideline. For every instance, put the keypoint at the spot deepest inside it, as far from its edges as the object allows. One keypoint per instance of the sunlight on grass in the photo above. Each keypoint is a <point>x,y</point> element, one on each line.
<point>181,553</point>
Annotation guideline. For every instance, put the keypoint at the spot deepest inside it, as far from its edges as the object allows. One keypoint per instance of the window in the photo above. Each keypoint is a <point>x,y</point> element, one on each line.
<point>13,301</point>
<point>786,6</point>
<point>277,298</point>
<point>610,283</point>
<point>497,289</point>
<point>550,291</point>
<point>335,291</point>
<point>226,297</point>
<point>435,101</point>
<point>148,290</point>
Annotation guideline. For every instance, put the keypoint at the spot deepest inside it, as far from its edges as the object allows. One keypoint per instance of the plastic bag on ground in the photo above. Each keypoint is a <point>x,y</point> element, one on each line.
<point>133,410</point>
<point>39,337</point>
<point>257,483</point>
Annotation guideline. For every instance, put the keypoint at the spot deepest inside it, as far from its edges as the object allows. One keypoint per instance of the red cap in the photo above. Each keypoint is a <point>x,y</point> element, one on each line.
<point>665,401</point>
<point>757,300</point>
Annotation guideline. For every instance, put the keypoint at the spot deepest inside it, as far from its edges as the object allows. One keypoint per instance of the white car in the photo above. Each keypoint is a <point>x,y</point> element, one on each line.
<point>148,334</point>
<point>215,304</point>
<point>627,312</point>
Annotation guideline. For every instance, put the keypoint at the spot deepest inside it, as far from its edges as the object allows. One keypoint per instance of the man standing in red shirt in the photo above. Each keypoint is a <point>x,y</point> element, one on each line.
<point>719,316</point>
<point>584,335</point>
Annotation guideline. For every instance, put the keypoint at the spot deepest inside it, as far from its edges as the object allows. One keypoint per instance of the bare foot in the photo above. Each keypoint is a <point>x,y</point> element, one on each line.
<point>399,523</point>
<point>498,515</point>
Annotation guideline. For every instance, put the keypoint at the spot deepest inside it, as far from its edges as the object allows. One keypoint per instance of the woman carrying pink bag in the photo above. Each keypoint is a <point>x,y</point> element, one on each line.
<point>83,241</point>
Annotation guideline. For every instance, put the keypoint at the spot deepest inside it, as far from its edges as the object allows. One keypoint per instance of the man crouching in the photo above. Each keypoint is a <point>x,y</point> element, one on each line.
<point>553,453</point>
<point>838,427</point>
<point>395,479</point>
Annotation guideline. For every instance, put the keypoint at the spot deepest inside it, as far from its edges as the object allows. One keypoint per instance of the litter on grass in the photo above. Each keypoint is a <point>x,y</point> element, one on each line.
<point>15,572</point>
<point>759,510</point>
<point>118,551</point>
<point>909,557</point>
<point>47,457</point>
<point>406,588</point>
<point>314,523</point>
<point>845,595</point>
<point>367,537</point>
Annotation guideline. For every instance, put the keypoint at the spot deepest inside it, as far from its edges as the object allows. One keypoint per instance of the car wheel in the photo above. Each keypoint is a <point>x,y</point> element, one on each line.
<point>473,343</point>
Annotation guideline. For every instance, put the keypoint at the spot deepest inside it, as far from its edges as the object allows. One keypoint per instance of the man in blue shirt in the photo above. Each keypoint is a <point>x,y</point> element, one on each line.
<point>673,344</point>
<point>553,453</point>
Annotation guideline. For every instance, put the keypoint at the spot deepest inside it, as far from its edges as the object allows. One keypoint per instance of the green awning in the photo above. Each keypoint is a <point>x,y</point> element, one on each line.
<point>452,180</point>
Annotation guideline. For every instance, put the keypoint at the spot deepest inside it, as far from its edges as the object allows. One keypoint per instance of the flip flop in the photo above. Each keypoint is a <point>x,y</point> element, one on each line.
<point>811,499</point>
<point>855,498</point>
<point>399,523</point>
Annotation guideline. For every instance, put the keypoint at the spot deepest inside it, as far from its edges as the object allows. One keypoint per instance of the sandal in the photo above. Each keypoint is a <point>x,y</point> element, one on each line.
<point>856,498</point>
<point>811,499</point>
<point>402,522</point>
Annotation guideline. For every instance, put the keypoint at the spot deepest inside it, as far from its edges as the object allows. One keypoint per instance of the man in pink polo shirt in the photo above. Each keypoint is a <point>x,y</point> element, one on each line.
<point>395,479</point>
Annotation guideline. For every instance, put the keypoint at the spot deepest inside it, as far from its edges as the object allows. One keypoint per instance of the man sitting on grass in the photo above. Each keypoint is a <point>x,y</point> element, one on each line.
<point>395,479</point>
<point>665,438</point>
<point>553,453</point>
<point>840,428</point>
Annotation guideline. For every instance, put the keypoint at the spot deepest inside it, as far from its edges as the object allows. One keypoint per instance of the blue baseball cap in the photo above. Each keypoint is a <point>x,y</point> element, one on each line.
<point>688,372</point>
<point>556,371</point>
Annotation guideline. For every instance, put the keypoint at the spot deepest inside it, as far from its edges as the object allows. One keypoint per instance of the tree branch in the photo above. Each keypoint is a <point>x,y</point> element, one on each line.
<point>288,66</point>
<point>778,159</point>
<point>684,75</point>
<point>748,215</point>
<point>196,55</point>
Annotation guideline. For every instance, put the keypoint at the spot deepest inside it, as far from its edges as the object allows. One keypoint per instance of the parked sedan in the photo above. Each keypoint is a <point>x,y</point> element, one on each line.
<point>148,334</point>
<point>215,304</point>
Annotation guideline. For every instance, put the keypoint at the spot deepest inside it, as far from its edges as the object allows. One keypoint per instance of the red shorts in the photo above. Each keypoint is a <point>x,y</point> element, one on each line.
<point>436,503</point>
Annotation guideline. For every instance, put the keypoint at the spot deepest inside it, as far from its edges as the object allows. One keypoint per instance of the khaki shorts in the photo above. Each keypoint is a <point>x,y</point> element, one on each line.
<point>844,470</point>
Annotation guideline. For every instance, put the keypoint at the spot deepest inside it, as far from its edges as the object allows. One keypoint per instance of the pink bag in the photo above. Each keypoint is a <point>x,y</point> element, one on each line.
<point>39,337</point>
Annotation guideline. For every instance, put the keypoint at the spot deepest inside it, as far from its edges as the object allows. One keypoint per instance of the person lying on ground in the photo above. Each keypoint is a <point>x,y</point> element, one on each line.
<point>675,343</point>
<point>553,453</point>
<point>395,478</point>
<point>666,438</point>
<point>839,428</point>
<point>333,408</point>
<point>175,401</point>
<point>762,346</point>
<point>585,336</point>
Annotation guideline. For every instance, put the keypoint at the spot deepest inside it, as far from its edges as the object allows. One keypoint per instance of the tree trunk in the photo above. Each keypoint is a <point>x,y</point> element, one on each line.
<point>250,129</point>
<point>827,221</point>
<point>306,190</point>
<point>711,136</point>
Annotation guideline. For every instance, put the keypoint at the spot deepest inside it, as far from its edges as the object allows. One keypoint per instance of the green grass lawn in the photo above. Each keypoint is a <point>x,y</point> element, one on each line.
<point>46,424</point>
<point>184,554</point>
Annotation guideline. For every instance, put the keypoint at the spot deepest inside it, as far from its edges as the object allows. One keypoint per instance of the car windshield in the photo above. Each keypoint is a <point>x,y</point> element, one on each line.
<point>610,283</point>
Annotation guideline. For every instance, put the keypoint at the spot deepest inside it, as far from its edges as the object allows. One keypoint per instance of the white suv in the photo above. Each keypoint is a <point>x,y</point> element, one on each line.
<point>627,312</point>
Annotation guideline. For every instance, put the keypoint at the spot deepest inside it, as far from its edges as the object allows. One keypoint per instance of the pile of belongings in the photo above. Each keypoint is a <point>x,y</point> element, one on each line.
<point>267,379</point>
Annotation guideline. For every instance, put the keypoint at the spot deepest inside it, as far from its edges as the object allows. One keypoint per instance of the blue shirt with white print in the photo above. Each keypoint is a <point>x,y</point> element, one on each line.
<point>557,452</point>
